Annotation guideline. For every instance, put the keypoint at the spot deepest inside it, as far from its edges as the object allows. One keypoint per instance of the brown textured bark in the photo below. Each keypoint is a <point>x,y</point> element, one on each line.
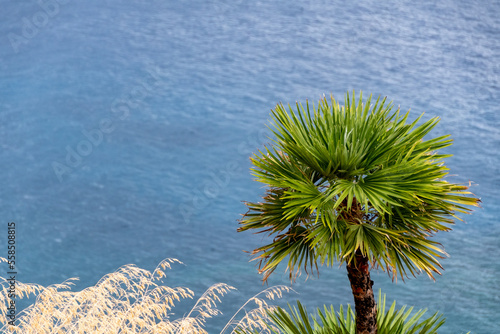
<point>364,300</point>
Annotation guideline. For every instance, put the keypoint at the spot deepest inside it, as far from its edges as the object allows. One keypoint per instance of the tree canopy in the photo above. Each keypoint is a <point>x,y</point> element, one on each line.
<point>354,179</point>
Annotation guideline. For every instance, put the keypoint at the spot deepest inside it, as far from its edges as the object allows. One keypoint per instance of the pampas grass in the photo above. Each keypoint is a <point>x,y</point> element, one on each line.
<point>129,300</point>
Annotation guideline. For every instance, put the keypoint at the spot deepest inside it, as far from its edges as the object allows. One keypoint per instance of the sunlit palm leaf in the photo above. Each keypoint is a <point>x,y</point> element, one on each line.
<point>390,321</point>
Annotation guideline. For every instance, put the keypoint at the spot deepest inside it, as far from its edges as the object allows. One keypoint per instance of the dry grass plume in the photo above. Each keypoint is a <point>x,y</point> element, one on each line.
<point>129,300</point>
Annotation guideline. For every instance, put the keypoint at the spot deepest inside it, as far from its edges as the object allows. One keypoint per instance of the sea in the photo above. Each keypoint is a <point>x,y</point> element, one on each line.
<point>127,126</point>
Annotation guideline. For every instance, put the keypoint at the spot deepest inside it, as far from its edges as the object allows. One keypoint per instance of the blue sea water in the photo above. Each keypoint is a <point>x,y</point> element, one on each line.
<point>126,129</point>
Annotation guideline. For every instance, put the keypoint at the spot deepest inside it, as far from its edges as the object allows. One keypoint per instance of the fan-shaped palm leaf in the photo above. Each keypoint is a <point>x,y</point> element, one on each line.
<point>391,321</point>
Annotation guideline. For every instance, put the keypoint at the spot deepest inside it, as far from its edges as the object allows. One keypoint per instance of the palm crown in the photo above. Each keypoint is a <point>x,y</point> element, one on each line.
<point>353,180</point>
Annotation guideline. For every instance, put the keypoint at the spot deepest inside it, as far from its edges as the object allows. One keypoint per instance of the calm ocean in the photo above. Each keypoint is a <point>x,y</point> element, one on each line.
<point>126,128</point>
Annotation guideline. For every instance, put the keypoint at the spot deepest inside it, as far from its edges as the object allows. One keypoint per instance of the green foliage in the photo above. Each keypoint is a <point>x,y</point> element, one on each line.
<point>358,177</point>
<point>391,321</point>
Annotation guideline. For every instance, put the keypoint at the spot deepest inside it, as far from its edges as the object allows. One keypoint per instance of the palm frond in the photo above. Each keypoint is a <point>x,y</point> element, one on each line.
<point>296,320</point>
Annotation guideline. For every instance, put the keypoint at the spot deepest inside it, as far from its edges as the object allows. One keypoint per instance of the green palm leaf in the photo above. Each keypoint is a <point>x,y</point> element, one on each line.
<point>390,321</point>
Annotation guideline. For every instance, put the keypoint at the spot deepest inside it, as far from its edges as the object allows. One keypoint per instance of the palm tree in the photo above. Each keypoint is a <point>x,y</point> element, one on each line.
<point>354,184</point>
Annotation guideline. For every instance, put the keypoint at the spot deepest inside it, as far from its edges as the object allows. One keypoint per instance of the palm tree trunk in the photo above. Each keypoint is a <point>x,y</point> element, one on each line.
<point>364,300</point>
